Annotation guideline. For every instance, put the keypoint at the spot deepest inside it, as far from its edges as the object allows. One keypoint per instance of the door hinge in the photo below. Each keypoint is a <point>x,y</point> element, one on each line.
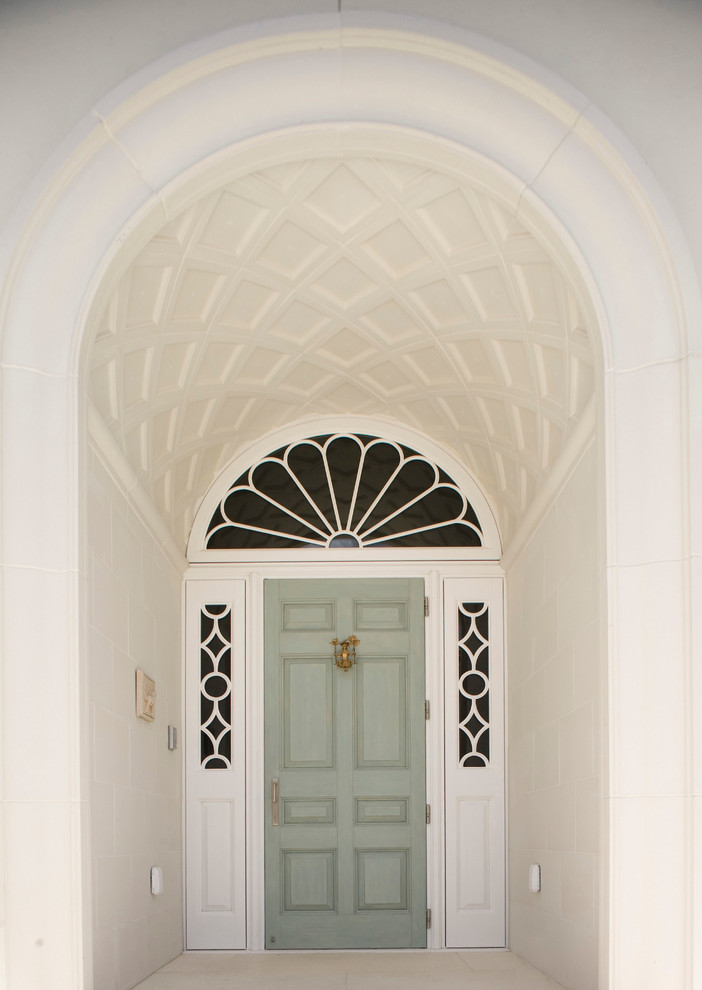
<point>427,711</point>
<point>428,814</point>
<point>426,607</point>
<point>428,917</point>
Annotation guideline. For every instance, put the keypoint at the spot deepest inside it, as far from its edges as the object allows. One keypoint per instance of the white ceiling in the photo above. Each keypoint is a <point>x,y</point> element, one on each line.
<point>341,285</point>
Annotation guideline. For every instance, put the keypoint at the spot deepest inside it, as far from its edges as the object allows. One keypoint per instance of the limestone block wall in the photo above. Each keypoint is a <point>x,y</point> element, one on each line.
<point>135,793</point>
<point>554,630</point>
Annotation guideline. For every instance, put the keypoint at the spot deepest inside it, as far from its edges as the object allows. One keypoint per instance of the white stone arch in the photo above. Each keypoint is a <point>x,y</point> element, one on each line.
<point>565,159</point>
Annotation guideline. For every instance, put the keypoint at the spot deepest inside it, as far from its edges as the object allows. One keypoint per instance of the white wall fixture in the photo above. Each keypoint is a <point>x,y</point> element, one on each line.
<point>172,737</point>
<point>156,877</point>
<point>534,878</point>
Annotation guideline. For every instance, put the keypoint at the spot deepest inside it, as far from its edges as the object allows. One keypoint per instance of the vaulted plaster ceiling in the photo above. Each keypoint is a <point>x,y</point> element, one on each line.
<point>344,284</point>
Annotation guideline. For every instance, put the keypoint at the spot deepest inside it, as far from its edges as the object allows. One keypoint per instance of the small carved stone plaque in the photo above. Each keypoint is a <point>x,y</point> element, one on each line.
<point>145,696</point>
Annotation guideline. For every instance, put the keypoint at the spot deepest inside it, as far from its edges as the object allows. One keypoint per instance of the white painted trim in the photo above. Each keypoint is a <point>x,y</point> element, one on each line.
<point>182,744</point>
<point>315,426</point>
<point>106,448</point>
<point>256,925</point>
<point>436,847</point>
<point>342,556</point>
<point>355,568</point>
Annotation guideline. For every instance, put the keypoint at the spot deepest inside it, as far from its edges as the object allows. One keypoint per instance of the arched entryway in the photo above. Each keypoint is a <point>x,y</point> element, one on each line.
<point>563,177</point>
<point>423,591</point>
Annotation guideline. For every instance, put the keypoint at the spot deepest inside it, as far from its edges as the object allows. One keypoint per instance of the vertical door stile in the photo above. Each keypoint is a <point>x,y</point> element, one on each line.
<point>474,763</point>
<point>434,725</point>
<point>215,759</point>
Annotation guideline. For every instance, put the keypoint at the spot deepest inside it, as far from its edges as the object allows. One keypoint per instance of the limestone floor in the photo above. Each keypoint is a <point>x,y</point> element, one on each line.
<point>468,970</point>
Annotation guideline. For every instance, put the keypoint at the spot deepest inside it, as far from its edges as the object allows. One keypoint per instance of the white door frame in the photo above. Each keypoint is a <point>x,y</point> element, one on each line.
<point>433,573</point>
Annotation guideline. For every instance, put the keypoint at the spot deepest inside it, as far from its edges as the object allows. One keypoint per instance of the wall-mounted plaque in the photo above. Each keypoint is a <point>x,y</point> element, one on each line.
<point>145,696</point>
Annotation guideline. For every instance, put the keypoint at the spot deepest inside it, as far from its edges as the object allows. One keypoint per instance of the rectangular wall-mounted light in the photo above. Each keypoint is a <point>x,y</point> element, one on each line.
<point>534,878</point>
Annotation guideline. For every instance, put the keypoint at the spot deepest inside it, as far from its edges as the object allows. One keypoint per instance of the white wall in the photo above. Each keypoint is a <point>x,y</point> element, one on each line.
<point>554,656</point>
<point>135,794</point>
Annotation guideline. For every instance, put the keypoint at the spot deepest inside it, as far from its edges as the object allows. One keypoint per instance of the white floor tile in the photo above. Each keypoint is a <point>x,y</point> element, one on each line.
<point>348,971</point>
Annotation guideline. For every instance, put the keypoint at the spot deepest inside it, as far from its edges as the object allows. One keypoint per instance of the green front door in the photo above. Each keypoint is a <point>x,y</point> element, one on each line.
<point>345,777</point>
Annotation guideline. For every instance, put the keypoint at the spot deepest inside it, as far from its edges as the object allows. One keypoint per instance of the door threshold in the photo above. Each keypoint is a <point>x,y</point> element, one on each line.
<point>321,952</point>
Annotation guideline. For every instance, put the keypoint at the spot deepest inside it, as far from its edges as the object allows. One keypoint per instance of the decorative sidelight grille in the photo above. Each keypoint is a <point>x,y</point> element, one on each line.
<point>344,490</point>
<point>215,687</point>
<point>473,684</point>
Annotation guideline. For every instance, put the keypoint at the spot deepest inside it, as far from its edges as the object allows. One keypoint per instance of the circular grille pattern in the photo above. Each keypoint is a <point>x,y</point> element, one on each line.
<point>215,687</point>
<point>473,685</point>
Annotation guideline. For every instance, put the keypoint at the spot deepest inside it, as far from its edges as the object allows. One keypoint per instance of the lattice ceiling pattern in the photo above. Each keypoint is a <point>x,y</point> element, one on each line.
<point>328,287</point>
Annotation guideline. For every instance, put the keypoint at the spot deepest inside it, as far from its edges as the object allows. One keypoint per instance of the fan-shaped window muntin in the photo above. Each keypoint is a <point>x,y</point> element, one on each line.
<point>343,490</point>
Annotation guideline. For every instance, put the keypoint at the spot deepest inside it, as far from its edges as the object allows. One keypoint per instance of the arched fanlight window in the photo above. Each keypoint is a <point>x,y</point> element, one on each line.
<point>344,490</point>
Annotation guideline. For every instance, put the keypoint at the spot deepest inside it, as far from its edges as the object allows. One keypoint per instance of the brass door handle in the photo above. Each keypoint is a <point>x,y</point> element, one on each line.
<point>275,810</point>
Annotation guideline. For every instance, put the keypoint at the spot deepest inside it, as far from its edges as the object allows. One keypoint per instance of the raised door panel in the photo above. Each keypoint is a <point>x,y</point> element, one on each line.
<point>473,887</point>
<point>308,616</point>
<point>309,811</point>
<point>381,712</point>
<point>308,713</point>
<point>382,615</point>
<point>309,880</point>
<point>382,879</point>
<point>382,811</point>
<point>217,878</point>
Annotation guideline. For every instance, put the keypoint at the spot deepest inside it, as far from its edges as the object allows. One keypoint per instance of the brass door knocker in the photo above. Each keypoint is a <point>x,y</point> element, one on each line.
<point>345,656</point>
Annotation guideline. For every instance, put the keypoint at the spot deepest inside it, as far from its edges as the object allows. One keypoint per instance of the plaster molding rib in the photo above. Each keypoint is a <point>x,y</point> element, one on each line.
<point>575,447</point>
<point>124,477</point>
